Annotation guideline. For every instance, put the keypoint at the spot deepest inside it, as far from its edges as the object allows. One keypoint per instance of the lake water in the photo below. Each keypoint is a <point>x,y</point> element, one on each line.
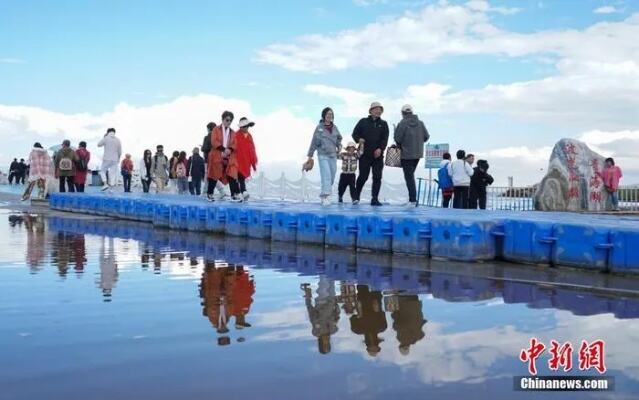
<point>109,310</point>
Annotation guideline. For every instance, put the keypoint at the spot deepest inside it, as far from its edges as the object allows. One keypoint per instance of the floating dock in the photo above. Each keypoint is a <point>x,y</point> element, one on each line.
<point>606,243</point>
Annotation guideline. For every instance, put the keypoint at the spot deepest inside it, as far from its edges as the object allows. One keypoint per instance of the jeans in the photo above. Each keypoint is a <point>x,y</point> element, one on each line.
<point>366,163</point>
<point>195,186</point>
<point>328,169</point>
<point>69,182</point>
<point>346,181</point>
<point>126,181</point>
<point>146,184</point>
<point>409,167</point>
<point>109,172</point>
<point>614,199</point>
<point>183,185</point>
<point>460,197</point>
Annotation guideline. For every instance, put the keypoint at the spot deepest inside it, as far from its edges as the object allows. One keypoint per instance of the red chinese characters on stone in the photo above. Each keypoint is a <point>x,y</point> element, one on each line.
<point>570,148</point>
<point>595,182</point>
<point>531,354</point>
<point>573,192</point>
<point>561,356</point>
<point>571,161</point>
<point>592,356</point>
<point>595,197</point>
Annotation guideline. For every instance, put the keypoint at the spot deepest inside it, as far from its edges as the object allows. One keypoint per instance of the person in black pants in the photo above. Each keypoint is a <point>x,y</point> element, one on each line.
<point>349,159</point>
<point>373,132</point>
<point>195,168</point>
<point>478,182</point>
<point>410,136</point>
<point>460,172</point>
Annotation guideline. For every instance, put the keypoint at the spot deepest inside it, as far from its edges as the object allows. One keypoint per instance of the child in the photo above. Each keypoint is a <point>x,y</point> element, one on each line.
<point>349,159</point>
<point>126,169</point>
<point>478,183</point>
<point>444,181</point>
<point>611,176</point>
<point>181,175</point>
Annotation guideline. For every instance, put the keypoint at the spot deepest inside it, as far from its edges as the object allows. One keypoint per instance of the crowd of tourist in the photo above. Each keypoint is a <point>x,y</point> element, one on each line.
<point>227,158</point>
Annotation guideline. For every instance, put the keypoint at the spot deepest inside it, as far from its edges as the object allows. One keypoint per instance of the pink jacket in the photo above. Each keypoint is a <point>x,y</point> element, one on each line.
<point>611,177</point>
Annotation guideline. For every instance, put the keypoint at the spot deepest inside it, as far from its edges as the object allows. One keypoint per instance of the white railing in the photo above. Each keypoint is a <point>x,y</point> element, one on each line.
<point>305,190</point>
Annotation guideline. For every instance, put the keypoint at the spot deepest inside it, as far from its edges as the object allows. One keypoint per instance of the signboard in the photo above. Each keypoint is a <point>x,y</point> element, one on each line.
<point>434,154</point>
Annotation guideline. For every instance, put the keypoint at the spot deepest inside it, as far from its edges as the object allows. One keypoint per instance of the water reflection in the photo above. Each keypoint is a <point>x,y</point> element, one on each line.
<point>226,291</point>
<point>359,304</point>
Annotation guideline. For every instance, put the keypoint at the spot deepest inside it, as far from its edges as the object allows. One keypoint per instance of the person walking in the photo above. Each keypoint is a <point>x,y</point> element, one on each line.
<point>222,161</point>
<point>444,181</point>
<point>372,131</point>
<point>126,169</point>
<point>460,172</point>
<point>41,170</point>
<point>13,171</point>
<point>246,155</point>
<point>146,170</point>
<point>64,162</point>
<point>160,169</point>
<point>172,177</point>
<point>81,167</point>
<point>181,173</point>
<point>22,172</point>
<point>196,171</point>
<point>349,158</point>
<point>611,175</point>
<point>478,183</point>
<point>110,158</point>
<point>410,136</point>
<point>327,141</point>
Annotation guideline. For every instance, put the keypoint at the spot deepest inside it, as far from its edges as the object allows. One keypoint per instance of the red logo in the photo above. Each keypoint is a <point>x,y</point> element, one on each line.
<point>590,355</point>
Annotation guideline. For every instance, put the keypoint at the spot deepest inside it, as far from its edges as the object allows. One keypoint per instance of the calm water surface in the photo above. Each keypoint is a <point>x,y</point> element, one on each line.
<point>109,310</point>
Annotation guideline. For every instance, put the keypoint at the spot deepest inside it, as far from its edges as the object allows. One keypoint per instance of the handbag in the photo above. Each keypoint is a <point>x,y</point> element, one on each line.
<point>393,157</point>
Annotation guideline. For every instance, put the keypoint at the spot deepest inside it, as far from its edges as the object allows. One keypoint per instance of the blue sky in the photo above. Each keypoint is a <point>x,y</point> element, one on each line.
<point>70,58</point>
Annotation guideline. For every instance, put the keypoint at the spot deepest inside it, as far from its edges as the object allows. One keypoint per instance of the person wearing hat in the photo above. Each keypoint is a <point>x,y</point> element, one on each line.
<point>222,159</point>
<point>327,141</point>
<point>349,158</point>
<point>410,136</point>
<point>372,131</point>
<point>246,155</point>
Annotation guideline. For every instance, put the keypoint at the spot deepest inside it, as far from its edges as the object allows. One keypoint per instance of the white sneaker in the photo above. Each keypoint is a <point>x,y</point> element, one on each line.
<point>237,199</point>
<point>246,195</point>
<point>326,201</point>
<point>412,204</point>
<point>105,188</point>
<point>210,197</point>
<point>355,202</point>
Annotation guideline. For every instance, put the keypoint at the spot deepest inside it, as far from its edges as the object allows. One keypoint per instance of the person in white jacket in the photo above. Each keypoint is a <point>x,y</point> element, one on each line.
<point>460,172</point>
<point>110,159</point>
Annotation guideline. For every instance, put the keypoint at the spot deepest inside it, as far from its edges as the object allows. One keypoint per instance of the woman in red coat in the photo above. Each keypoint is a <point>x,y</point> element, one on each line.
<point>222,162</point>
<point>81,167</point>
<point>246,156</point>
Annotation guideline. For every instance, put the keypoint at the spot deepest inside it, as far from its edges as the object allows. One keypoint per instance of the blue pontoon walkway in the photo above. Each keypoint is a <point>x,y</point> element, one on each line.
<point>596,242</point>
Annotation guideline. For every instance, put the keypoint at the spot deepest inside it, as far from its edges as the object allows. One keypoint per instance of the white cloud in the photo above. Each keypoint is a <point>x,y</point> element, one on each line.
<point>178,124</point>
<point>605,10</point>
<point>443,30</point>
<point>11,61</point>
<point>366,3</point>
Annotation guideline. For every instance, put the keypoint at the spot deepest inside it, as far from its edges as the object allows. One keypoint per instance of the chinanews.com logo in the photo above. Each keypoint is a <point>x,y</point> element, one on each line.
<point>590,356</point>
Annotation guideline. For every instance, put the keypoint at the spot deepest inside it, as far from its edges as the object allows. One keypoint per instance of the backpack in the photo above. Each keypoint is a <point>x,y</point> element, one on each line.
<point>66,164</point>
<point>81,165</point>
<point>180,170</point>
<point>445,182</point>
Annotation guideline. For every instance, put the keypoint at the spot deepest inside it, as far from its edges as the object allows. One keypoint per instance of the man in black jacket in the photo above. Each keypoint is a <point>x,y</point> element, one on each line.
<point>13,171</point>
<point>195,172</point>
<point>206,144</point>
<point>373,132</point>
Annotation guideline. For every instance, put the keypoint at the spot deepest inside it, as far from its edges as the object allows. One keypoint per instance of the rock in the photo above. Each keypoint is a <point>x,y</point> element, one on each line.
<point>572,182</point>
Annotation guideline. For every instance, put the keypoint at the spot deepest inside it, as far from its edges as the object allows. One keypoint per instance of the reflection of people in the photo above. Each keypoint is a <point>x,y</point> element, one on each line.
<point>370,319</point>
<point>60,252</point>
<point>36,241</point>
<point>79,253</point>
<point>348,297</point>
<point>108,269</point>
<point>226,291</point>
<point>408,320</point>
<point>324,314</point>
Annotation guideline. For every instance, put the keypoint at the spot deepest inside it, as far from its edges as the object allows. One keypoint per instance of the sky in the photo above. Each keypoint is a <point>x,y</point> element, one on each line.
<point>504,80</point>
